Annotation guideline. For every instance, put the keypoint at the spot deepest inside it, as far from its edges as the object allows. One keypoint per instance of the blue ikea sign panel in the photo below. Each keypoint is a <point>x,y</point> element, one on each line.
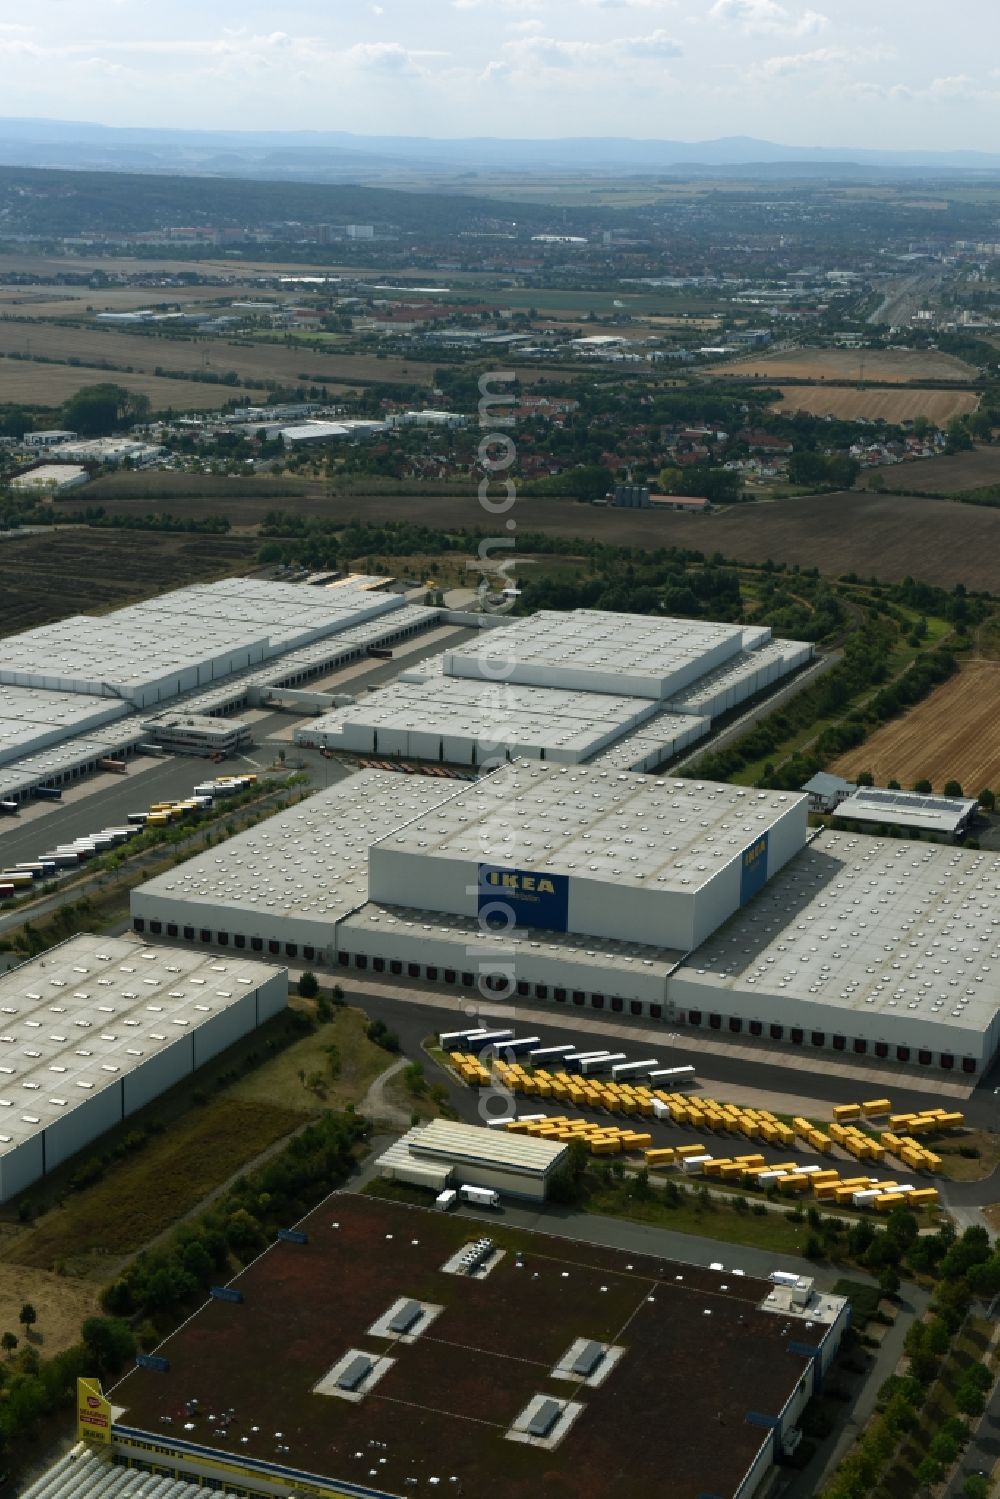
<point>152,1361</point>
<point>532,898</point>
<point>753,869</point>
<point>292,1236</point>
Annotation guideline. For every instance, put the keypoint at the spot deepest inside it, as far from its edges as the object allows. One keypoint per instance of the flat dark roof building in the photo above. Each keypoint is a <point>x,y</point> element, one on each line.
<point>705,1386</point>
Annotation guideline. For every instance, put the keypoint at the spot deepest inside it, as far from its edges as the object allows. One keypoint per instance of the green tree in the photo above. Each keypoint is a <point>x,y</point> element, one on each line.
<point>930,1472</point>
<point>109,1342</point>
<point>987,799</point>
<point>8,1343</point>
<point>923,786</point>
<point>308,985</point>
<point>976,1487</point>
<point>27,1317</point>
<point>97,410</point>
<point>953,788</point>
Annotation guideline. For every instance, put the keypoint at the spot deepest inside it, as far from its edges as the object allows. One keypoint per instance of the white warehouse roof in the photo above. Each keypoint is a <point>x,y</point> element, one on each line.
<point>100,1013</point>
<point>909,809</point>
<point>307,865</point>
<point>643,655</point>
<point>589,850</point>
<point>900,932</point>
<point>450,1142</point>
<point>153,652</point>
<point>32,718</point>
<point>583,820</point>
<point>464,722</point>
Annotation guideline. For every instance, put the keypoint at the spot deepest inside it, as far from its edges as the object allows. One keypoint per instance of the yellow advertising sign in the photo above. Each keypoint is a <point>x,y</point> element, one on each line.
<point>93,1413</point>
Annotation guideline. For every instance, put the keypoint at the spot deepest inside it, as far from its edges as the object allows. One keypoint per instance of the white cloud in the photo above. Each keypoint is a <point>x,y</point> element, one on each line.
<point>767,18</point>
<point>820,58</point>
<point>497,4</point>
<point>552,52</point>
<point>388,57</point>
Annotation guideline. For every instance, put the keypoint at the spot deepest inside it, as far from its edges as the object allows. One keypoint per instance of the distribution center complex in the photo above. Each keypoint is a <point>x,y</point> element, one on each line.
<point>80,690</point>
<point>625,690</point>
<point>100,1026</point>
<point>695,903</point>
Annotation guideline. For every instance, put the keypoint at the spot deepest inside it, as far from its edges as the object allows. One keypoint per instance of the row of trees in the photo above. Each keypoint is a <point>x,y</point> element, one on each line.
<point>964,1268</point>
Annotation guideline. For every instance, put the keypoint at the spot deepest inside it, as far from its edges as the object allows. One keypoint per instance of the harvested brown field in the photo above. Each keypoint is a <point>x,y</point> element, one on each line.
<point>256,362</point>
<point>52,574</point>
<point>30,384</point>
<point>945,475</point>
<point>54,300</point>
<point>954,734</point>
<point>888,365</point>
<point>887,536</point>
<point>883,536</point>
<point>877,404</point>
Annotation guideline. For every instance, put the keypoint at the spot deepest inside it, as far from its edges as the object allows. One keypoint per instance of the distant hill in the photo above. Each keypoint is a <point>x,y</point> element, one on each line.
<point>66,202</point>
<point>332,156</point>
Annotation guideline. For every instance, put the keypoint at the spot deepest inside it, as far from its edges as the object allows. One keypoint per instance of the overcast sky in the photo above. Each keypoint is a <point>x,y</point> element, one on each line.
<point>891,73</point>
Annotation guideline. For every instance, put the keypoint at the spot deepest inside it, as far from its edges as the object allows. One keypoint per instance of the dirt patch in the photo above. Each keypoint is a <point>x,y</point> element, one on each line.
<point>890,365</point>
<point>61,1303</point>
<point>881,405</point>
<point>954,734</point>
<point>76,571</point>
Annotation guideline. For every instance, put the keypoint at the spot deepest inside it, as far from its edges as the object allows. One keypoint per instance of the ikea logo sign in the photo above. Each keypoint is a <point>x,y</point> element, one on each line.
<point>512,879</point>
<point>753,869</point>
<point>756,851</point>
<point>523,897</point>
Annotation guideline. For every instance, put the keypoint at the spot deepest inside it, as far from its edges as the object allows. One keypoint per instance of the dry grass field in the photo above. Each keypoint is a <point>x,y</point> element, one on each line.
<point>954,734</point>
<point>30,384</point>
<point>876,404</point>
<point>61,1302</point>
<point>944,475</point>
<point>50,575</point>
<point>891,366</point>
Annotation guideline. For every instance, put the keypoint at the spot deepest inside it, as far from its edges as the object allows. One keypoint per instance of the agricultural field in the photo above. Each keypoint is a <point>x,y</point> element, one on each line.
<point>35,383</point>
<point>52,574</point>
<point>868,404</point>
<point>57,301</point>
<point>954,734</point>
<point>945,475</point>
<point>255,363</point>
<point>30,384</point>
<point>890,366</point>
<point>887,536</point>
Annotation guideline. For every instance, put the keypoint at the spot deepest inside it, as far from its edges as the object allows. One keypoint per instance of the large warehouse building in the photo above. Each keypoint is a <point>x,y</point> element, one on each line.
<point>77,691</point>
<point>626,690</point>
<point>507,1369</point>
<point>99,1027</point>
<point>698,904</point>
